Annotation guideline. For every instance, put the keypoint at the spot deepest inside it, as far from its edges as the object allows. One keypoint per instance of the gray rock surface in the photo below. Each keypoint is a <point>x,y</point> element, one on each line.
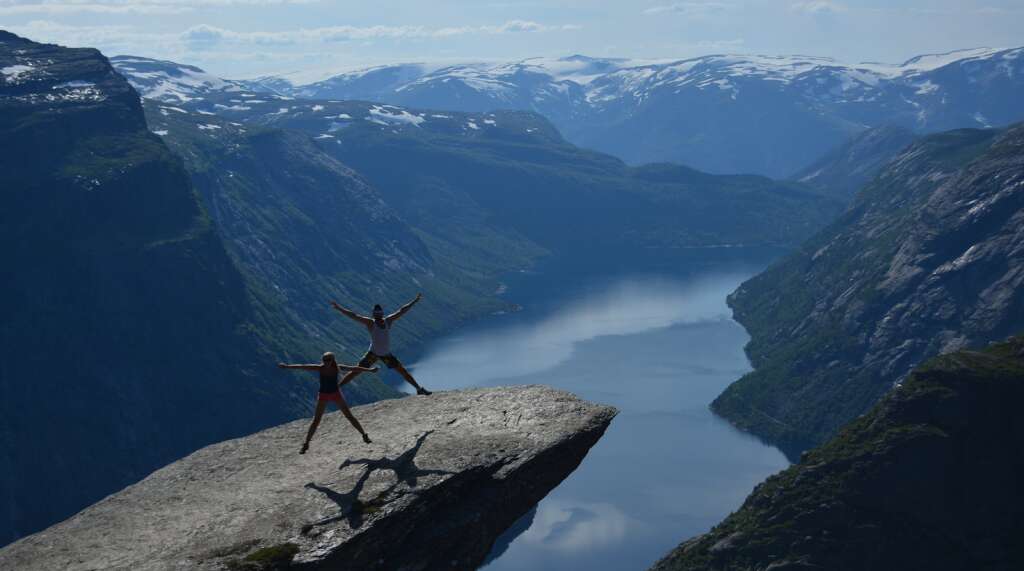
<point>445,475</point>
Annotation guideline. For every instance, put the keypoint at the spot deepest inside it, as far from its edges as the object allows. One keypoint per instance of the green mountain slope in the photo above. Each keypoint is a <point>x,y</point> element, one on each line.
<point>305,229</point>
<point>929,479</point>
<point>928,259</point>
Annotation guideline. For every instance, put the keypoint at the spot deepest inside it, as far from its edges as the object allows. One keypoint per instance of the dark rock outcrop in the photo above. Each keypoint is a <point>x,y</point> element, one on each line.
<point>443,478</point>
<point>929,479</point>
<point>928,259</point>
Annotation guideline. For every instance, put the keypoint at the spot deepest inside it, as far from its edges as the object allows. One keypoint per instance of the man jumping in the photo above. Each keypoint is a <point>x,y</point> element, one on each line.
<point>380,341</point>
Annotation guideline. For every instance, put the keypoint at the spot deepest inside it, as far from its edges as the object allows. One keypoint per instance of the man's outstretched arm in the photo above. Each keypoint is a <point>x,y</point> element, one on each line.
<point>351,314</point>
<point>402,310</point>
<point>358,368</point>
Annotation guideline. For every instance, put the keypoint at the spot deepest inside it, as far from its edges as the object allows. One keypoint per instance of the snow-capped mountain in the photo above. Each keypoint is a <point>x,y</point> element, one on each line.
<point>169,81</point>
<point>722,113</point>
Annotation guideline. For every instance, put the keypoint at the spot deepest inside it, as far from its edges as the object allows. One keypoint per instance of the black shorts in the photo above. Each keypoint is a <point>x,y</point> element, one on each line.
<point>370,358</point>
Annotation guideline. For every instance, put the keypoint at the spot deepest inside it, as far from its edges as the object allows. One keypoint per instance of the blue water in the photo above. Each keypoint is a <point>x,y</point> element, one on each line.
<point>659,345</point>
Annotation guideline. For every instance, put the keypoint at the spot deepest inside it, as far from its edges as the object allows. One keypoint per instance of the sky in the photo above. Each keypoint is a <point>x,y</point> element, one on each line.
<point>308,39</point>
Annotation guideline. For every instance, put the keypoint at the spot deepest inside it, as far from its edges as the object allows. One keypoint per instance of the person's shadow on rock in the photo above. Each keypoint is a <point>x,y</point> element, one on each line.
<point>352,508</point>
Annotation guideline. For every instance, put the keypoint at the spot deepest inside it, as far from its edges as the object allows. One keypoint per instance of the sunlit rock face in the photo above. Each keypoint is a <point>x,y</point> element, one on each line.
<point>445,475</point>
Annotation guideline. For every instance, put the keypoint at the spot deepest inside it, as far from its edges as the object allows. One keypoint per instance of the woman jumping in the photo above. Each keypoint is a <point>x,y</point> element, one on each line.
<point>328,370</point>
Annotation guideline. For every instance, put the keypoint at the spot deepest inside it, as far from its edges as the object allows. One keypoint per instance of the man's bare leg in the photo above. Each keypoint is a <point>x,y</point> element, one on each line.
<point>409,379</point>
<point>320,406</point>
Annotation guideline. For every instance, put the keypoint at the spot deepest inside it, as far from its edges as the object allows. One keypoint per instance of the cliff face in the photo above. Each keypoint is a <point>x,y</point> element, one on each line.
<point>928,259</point>
<point>122,312</point>
<point>445,475</point>
<point>929,479</point>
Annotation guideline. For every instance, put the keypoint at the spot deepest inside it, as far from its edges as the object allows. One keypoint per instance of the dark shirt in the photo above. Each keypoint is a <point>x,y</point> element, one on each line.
<point>328,379</point>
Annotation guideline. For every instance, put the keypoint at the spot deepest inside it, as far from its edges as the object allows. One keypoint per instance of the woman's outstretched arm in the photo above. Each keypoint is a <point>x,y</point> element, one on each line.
<point>303,367</point>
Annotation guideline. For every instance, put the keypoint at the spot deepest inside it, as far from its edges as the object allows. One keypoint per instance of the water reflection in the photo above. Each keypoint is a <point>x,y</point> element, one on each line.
<point>568,526</point>
<point>627,306</point>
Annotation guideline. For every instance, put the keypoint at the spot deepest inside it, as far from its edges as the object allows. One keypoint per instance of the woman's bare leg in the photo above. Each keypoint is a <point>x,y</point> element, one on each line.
<point>320,406</point>
<point>343,406</point>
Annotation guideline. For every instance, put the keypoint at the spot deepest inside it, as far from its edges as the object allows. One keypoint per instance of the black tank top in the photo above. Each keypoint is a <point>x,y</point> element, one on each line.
<point>328,379</point>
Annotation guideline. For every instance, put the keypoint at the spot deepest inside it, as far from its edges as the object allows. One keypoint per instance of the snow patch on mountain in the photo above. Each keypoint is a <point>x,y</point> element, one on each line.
<point>388,115</point>
<point>170,81</point>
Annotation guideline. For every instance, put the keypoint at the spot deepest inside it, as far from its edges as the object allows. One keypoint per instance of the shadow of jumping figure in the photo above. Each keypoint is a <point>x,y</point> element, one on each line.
<point>352,508</point>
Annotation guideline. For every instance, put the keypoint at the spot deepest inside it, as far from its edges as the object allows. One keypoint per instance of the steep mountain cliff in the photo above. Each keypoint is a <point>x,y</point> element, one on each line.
<point>927,260</point>
<point>929,479</point>
<point>127,333</point>
<point>444,476</point>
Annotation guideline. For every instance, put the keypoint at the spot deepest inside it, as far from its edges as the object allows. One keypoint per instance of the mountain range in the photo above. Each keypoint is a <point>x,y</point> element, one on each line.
<point>473,179</point>
<point>770,115</point>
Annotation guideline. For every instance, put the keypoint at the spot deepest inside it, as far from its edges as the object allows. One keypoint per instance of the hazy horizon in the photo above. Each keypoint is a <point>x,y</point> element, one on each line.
<point>312,38</point>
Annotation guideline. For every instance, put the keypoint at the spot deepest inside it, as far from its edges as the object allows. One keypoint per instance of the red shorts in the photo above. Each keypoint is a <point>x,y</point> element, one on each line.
<point>324,397</point>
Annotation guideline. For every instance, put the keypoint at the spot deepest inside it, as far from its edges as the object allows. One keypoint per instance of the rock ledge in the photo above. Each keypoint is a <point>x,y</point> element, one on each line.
<point>444,477</point>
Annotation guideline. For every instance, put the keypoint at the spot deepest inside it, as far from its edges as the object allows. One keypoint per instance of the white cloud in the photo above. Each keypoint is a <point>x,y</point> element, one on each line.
<point>818,7</point>
<point>150,7</point>
<point>718,45</point>
<point>54,9</point>
<point>690,8</point>
<point>205,35</point>
<point>49,31</point>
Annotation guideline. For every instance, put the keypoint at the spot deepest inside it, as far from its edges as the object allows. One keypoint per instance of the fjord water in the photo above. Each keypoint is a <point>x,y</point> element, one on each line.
<point>659,344</point>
